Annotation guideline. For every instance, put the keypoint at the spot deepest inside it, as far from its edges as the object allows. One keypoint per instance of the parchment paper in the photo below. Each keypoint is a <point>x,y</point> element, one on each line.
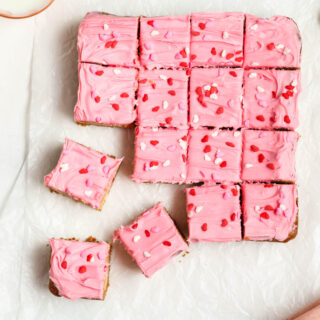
<point>237,281</point>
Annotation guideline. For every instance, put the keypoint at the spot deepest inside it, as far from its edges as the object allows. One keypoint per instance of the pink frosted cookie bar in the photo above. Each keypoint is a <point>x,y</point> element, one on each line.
<point>106,95</point>
<point>215,97</point>
<point>270,98</point>
<point>217,39</point>
<point>165,41</point>
<point>163,98</point>
<point>269,155</point>
<point>214,213</point>
<point>274,42</point>
<point>160,155</point>
<point>79,269</point>
<point>152,239</point>
<point>214,155</point>
<point>83,174</point>
<point>109,40</point>
<point>270,212</point>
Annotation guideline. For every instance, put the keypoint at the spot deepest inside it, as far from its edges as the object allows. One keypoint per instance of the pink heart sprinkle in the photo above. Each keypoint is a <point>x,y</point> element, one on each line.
<point>106,169</point>
<point>93,94</point>
<point>168,35</point>
<point>178,56</point>
<point>153,57</point>
<point>146,166</point>
<point>219,154</point>
<point>83,254</point>
<point>282,195</point>
<point>144,56</point>
<point>231,103</point>
<point>285,212</point>
<point>227,195</point>
<point>172,148</point>
<point>206,37</point>
<point>103,37</point>
<point>211,61</point>
<point>98,119</point>
<point>262,103</point>
<point>147,46</point>
<point>93,69</point>
<point>220,72</point>
<point>91,167</point>
<point>115,34</point>
<point>101,256</point>
<point>155,24</point>
<point>181,106</point>
<point>89,183</point>
<point>67,250</point>
<point>146,213</point>
<point>65,151</point>
<point>278,211</point>
<point>209,24</point>
<point>247,123</point>
<point>202,174</point>
<point>288,138</point>
<point>259,96</point>
<point>155,229</point>
<point>262,134</point>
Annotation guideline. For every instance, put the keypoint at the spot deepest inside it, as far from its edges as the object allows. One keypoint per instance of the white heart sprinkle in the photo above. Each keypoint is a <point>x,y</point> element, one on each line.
<point>147,254</point>
<point>166,163</point>
<point>223,53</point>
<point>256,208</point>
<point>117,71</point>
<point>195,118</point>
<point>260,89</point>
<point>88,193</point>
<point>105,27</point>
<point>182,175</point>
<point>155,129</point>
<point>294,83</point>
<point>198,209</point>
<point>183,144</point>
<point>254,27</point>
<point>255,64</point>
<point>64,167</point>
<point>153,168</point>
<point>165,104</point>
<point>207,87</point>
<point>163,77</point>
<point>218,161</point>
<point>225,35</point>
<point>280,46</point>
<point>187,50</point>
<point>236,133</point>
<point>253,75</point>
<point>112,98</point>
<point>282,207</point>
<point>214,133</point>
<point>136,238</point>
<point>286,51</point>
<point>215,84</point>
<point>143,146</point>
<point>190,214</point>
<point>248,165</point>
<point>154,32</point>
<point>207,157</point>
<point>213,96</point>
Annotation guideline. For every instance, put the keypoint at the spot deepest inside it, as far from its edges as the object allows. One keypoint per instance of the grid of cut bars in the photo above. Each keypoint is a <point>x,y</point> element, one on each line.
<point>214,95</point>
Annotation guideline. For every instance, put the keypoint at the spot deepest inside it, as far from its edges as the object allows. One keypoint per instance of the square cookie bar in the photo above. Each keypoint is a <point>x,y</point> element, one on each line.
<point>270,98</point>
<point>163,98</point>
<point>214,213</point>
<point>152,239</point>
<point>274,42</point>
<point>217,39</point>
<point>106,96</point>
<point>269,155</point>
<point>160,155</point>
<point>165,41</point>
<point>79,269</point>
<point>83,174</point>
<point>109,40</point>
<point>214,155</point>
<point>215,97</point>
<point>270,212</point>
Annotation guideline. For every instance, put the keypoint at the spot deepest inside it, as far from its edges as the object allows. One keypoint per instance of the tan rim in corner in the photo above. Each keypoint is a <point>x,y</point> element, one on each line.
<point>30,15</point>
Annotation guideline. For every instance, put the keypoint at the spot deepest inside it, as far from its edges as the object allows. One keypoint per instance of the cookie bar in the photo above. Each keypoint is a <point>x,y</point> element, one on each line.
<point>83,174</point>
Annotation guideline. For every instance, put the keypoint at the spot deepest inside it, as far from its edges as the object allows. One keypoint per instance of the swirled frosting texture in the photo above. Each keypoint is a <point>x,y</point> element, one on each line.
<point>160,155</point>
<point>269,211</point>
<point>274,42</point>
<point>83,174</point>
<point>270,98</point>
<point>214,155</point>
<point>106,95</point>
<point>214,213</point>
<point>165,41</point>
<point>269,155</point>
<point>163,98</point>
<point>79,269</point>
<point>107,39</point>
<point>215,97</point>
<point>217,39</point>
<point>152,240</point>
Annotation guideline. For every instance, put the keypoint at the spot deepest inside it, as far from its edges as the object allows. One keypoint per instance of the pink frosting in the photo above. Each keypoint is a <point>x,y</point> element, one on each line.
<point>217,39</point>
<point>106,95</point>
<point>82,173</point>
<point>163,98</point>
<point>273,42</point>
<point>152,240</point>
<point>165,41</point>
<point>108,39</point>
<point>214,155</point>
<point>269,211</point>
<point>79,269</point>
<point>215,97</point>
<point>270,98</point>
<point>269,155</point>
<point>214,213</point>
<point>160,155</point>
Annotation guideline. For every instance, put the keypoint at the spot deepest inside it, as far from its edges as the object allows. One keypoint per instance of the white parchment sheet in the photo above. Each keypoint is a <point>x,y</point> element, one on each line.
<point>233,281</point>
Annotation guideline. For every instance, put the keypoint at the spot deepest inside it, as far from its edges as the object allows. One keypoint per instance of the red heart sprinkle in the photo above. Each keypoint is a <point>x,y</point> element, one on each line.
<point>289,87</point>
<point>64,264</point>
<point>114,43</point>
<point>193,56</point>
<point>82,269</point>
<point>183,53</point>
<point>290,93</point>
<point>286,95</point>
<point>153,85</point>
<point>234,192</point>
<point>233,217</point>
<point>207,149</point>
<point>154,163</point>
<point>254,148</point>
<point>166,243</point>
<point>168,120</point>
<point>223,164</point>
<point>155,109</point>
<point>108,44</point>
<point>172,92</point>
<point>268,207</point>
<point>170,81</point>
<point>270,46</point>
<point>124,95</point>
<point>147,233</point>
<point>143,80</point>
<point>239,59</point>
<point>205,138</point>
<point>195,33</point>
<point>224,222</point>
<point>99,72</point>
<point>97,99</point>
<point>134,226</point>
<point>115,106</point>
<point>230,144</point>
<point>274,94</point>
<point>183,64</point>
<point>184,158</point>
<point>220,110</point>
<point>233,73</point>
<point>190,206</point>
<point>154,142</point>
<point>260,157</point>
<point>286,119</point>
<point>270,166</point>
<point>150,23</point>
<point>264,215</point>
<point>103,159</point>
<point>213,51</point>
<point>268,185</point>
<point>229,56</point>
<point>89,257</point>
<point>145,97</point>
<point>83,170</point>
<point>199,91</point>
<point>239,52</point>
<point>213,90</point>
<point>223,186</point>
<point>204,227</point>
<point>192,192</point>
<point>260,117</point>
<point>184,138</point>
<point>202,25</point>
